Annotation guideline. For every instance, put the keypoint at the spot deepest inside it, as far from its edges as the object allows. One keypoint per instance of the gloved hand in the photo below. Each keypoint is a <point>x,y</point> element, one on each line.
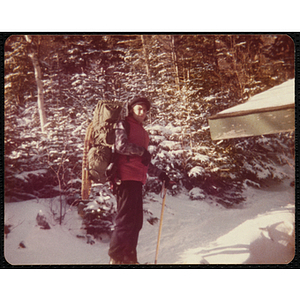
<point>164,177</point>
<point>146,158</point>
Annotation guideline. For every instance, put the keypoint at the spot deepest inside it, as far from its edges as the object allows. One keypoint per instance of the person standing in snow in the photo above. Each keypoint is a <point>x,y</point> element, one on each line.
<point>133,164</point>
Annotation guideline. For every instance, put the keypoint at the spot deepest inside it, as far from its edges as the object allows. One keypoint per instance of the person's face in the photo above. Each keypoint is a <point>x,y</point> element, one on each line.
<point>139,112</point>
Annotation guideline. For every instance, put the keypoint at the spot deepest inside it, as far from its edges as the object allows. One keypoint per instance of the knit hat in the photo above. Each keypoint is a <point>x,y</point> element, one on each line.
<point>139,100</point>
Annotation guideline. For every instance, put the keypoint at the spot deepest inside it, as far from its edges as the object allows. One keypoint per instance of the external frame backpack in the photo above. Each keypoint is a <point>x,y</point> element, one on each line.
<point>98,144</point>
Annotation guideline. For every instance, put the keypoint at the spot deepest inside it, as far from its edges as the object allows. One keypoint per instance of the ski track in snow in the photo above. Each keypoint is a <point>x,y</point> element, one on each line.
<point>194,232</point>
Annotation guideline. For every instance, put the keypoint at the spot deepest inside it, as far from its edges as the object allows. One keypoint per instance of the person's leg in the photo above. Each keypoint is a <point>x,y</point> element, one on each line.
<point>129,222</point>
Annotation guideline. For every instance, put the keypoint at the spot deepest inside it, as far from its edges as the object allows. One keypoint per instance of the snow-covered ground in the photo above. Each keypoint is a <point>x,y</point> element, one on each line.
<point>259,231</point>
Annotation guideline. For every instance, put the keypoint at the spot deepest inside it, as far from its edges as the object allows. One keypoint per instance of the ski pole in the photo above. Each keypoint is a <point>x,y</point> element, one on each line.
<point>164,192</point>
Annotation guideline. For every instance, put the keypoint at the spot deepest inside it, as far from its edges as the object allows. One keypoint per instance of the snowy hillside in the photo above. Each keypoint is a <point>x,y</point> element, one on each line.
<point>261,230</point>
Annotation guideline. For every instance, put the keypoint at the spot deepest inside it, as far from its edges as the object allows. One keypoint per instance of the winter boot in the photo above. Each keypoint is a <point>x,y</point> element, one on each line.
<point>129,261</point>
<point>114,262</point>
<point>125,262</point>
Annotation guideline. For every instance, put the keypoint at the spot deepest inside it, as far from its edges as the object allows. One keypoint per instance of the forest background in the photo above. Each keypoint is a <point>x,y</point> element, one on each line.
<point>53,83</point>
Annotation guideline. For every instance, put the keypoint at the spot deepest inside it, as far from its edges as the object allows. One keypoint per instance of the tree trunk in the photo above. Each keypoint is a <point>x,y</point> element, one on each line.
<point>238,86</point>
<point>38,78</point>
<point>146,56</point>
<point>175,63</point>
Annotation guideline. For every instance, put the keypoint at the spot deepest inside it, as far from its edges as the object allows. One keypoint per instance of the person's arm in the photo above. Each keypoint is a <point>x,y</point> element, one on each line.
<point>122,144</point>
<point>124,147</point>
<point>154,171</point>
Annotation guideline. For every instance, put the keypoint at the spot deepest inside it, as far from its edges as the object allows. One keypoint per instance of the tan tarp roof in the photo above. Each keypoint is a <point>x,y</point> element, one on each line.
<point>271,111</point>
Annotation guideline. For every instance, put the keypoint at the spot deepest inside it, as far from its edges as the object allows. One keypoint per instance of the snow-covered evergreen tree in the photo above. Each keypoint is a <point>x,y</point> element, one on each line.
<point>187,78</point>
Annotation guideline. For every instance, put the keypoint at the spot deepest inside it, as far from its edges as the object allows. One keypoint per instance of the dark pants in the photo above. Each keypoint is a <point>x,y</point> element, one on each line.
<point>129,222</point>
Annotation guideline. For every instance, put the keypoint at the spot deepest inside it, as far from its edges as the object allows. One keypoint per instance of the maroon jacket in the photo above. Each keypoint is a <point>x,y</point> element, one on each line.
<point>130,149</point>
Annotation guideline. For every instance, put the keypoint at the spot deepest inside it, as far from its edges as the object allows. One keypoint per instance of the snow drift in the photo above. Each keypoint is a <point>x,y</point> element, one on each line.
<point>259,231</point>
